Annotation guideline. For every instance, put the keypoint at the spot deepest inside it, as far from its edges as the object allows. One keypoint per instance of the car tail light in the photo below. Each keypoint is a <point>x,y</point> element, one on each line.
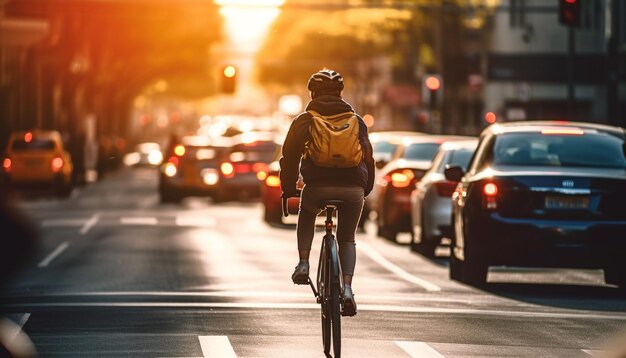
<point>179,150</point>
<point>259,167</point>
<point>57,164</point>
<point>445,188</point>
<point>272,181</point>
<point>242,168</point>
<point>261,175</point>
<point>401,179</point>
<point>227,169</point>
<point>28,137</point>
<point>7,164</point>
<point>490,194</point>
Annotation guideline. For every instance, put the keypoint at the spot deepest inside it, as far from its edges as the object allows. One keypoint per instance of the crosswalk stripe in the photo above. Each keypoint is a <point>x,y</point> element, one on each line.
<point>138,221</point>
<point>195,221</point>
<point>216,347</point>
<point>419,349</point>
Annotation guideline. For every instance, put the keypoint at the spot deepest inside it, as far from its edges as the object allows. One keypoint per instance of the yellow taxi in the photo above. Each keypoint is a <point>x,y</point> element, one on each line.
<point>37,158</point>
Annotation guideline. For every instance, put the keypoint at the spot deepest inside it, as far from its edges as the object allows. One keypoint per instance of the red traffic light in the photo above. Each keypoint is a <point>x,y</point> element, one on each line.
<point>569,12</point>
<point>433,83</point>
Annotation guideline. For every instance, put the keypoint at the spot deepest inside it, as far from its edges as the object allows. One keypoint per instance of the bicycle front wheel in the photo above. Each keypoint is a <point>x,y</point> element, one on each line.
<point>335,308</point>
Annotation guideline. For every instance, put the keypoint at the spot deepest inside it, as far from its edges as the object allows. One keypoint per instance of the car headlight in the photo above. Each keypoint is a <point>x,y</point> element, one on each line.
<point>210,176</point>
<point>155,157</point>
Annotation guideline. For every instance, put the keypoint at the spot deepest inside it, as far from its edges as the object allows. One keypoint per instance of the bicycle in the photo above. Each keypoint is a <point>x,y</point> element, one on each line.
<point>329,292</point>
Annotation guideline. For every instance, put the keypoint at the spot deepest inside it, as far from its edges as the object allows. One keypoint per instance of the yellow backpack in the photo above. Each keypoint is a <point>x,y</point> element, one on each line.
<point>334,140</point>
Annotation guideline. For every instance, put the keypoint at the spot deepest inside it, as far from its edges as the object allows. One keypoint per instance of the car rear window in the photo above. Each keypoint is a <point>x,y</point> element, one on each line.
<point>421,151</point>
<point>205,153</point>
<point>591,149</point>
<point>253,152</point>
<point>384,147</point>
<point>461,157</point>
<point>34,144</point>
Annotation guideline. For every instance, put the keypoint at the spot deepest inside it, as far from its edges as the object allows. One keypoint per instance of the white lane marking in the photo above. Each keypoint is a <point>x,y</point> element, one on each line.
<point>138,221</point>
<point>381,260</point>
<point>45,262</point>
<point>594,353</point>
<point>89,224</point>
<point>418,349</point>
<point>216,347</point>
<point>62,222</point>
<point>297,306</point>
<point>18,326</point>
<point>259,294</point>
<point>195,221</point>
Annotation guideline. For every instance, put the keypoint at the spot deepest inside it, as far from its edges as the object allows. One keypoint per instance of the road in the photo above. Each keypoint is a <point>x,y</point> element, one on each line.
<point>117,274</point>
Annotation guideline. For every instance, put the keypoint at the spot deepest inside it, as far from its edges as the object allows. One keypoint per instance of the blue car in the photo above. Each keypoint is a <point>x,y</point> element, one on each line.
<point>542,194</point>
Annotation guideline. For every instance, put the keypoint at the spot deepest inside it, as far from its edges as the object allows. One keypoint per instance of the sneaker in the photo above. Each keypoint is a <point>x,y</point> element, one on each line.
<point>300,275</point>
<point>349,304</point>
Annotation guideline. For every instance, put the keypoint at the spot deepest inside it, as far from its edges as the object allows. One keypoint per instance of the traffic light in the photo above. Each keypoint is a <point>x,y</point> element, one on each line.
<point>569,12</point>
<point>229,80</point>
<point>432,91</point>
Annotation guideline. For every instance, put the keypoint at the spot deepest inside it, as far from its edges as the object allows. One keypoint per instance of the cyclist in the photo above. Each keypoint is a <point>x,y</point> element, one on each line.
<point>350,185</point>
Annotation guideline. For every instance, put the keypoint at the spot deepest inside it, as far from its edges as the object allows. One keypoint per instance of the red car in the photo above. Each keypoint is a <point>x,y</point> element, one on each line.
<point>391,197</point>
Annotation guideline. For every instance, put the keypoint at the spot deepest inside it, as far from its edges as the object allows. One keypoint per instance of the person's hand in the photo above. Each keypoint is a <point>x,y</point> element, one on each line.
<point>289,193</point>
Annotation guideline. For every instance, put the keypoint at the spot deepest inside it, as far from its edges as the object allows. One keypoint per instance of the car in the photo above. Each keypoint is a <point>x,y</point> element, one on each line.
<point>271,196</point>
<point>146,154</point>
<point>541,194</point>
<point>385,144</point>
<point>192,168</point>
<point>390,198</point>
<point>37,159</point>
<point>431,203</point>
<point>245,165</point>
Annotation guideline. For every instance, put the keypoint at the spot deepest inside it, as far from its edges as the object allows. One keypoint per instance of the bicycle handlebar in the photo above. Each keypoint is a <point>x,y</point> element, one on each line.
<point>284,202</point>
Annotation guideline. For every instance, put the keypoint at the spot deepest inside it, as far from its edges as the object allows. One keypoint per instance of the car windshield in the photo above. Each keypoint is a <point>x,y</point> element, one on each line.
<point>34,144</point>
<point>421,151</point>
<point>591,149</point>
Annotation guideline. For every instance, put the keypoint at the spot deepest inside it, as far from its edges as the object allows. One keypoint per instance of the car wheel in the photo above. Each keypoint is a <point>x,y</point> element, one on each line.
<point>386,230</point>
<point>472,270</point>
<point>427,245</point>
<point>167,197</point>
<point>272,217</point>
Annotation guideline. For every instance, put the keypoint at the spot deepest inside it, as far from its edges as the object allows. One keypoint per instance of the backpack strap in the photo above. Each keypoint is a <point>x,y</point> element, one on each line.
<point>334,116</point>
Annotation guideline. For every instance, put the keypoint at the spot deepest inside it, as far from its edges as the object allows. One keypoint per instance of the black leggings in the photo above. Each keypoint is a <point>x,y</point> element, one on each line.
<point>347,219</point>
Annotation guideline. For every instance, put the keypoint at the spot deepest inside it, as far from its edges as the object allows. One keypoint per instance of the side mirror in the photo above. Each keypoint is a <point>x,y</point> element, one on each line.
<point>454,173</point>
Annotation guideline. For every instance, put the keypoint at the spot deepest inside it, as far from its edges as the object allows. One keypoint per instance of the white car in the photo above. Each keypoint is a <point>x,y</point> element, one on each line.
<point>431,203</point>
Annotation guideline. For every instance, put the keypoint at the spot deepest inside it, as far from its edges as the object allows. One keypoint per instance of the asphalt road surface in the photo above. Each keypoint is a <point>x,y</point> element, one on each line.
<point>117,274</point>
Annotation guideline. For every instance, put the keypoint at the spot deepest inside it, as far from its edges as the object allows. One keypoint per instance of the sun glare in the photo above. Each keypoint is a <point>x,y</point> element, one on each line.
<point>247,21</point>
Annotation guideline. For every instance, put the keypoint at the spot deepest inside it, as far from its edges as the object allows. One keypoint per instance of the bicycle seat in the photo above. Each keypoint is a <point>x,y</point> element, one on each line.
<point>325,203</point>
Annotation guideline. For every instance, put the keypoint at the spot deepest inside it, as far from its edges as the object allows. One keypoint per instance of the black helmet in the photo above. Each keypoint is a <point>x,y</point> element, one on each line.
<point>325,81</point>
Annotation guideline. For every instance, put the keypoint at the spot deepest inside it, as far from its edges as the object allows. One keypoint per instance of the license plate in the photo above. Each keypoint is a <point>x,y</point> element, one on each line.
<point>566,202</point>
<point>33,162</point>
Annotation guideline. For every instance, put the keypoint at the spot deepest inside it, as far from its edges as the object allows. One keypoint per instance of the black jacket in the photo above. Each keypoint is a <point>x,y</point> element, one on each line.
<point>299,134</point>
